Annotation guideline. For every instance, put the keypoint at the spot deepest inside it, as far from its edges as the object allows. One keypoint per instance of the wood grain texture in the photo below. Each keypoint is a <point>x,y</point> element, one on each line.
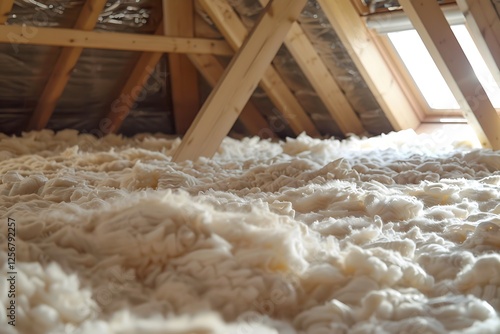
<point>64,66</point>
<point>322,80</point>
<point>252,119</point>
<point>483,23</point>
<point>241,77</point>
<point>24,35</point>
<point>5,8</point>
<point>235,32</point>
<point>371,63</point>
<point>430,23</point>
<point>122,105</point>
<point>179,22</point>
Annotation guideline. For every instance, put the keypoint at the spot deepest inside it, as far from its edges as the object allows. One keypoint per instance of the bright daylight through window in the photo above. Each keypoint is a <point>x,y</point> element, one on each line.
<point>426,74</point>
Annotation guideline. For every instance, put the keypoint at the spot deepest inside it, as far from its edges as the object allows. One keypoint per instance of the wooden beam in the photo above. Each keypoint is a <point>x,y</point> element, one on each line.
<point>179,22</point>
<point>121,106</point>
<point>64,66</point>
<point>240,79</point>
<point>235,32</point>
<point>483,23</point>
<point>373,67</point>
<point>5,8</point>
<point>17,34</point>
<point>430,23</point>
<point>211,69</point>
<point>322,80</point>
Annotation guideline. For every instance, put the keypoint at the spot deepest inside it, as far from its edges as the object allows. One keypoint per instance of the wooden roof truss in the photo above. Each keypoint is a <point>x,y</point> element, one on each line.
<point>204,126</point>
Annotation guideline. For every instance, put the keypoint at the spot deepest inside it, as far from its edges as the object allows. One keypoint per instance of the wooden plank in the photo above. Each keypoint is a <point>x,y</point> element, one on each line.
<point>231,27</point>
<point>430,23</point>
<point>5,8</point>
<point>212,70</point>
<point>64,66</point>
<point>242,76</point>
<point>251,118</point>
<point>322,80</point>
<point>121,106</point>
<point>16,34</point>
<point>483,23</point>
<point>179,22</point>
<point>372,65</point>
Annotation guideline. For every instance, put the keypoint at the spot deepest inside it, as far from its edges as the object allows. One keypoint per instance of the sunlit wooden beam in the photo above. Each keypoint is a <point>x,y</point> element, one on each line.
<point>252,119</point>
<point>483,23</point>
<point>371,64</point>
<point>430,23</point>
<point>321,80</point>
<point>235,32</point>
<point>26,35</point>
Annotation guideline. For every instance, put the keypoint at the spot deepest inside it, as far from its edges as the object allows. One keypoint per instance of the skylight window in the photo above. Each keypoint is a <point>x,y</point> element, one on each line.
<point>426,75</point>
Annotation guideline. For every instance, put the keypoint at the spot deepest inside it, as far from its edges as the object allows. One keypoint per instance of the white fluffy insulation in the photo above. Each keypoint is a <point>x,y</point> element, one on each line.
<point>393,234</point>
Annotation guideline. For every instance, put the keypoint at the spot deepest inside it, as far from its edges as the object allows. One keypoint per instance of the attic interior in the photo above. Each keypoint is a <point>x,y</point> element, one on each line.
<point>250,166</point>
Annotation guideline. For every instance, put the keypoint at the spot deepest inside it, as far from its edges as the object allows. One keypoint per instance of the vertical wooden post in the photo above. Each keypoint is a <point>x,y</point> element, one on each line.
<point>179,22</point>
<point>5,8</point>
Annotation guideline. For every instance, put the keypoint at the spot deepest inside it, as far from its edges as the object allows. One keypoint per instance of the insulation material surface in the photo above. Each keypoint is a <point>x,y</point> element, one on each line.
<point>393,234</point>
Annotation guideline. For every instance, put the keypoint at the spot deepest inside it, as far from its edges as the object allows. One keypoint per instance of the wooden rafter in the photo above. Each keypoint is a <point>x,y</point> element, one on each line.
<point>430,23</point>
<point>241,77</point>
<point>322,80</point>
<point>179,22</point>
<point>484,26</point>
<point>5,8</point>
<point>16,34</point>
<point>373,67</point>
<point>210,68</point>
<point>64,66</point>
<point>229,24</point>
<point>121,106</point>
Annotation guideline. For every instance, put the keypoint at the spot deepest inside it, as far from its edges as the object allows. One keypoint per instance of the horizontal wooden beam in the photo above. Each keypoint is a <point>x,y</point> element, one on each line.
<point>235,32</point>
<point>64,66</point>
<point>5,8</point>
<point>483,23</point>
<point>240,79</point>
<point>210,68</point>
<point>179,21</point>
<point>16,34</point>
<point>371,64</point>
<point>431,25</point>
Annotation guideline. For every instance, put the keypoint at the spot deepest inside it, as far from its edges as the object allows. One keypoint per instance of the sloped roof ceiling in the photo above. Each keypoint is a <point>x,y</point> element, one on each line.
<point>99,74</point>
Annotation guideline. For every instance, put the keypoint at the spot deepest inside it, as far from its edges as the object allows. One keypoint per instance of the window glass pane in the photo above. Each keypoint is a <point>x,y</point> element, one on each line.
<point>480,68</point>
<point>427,77</point>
